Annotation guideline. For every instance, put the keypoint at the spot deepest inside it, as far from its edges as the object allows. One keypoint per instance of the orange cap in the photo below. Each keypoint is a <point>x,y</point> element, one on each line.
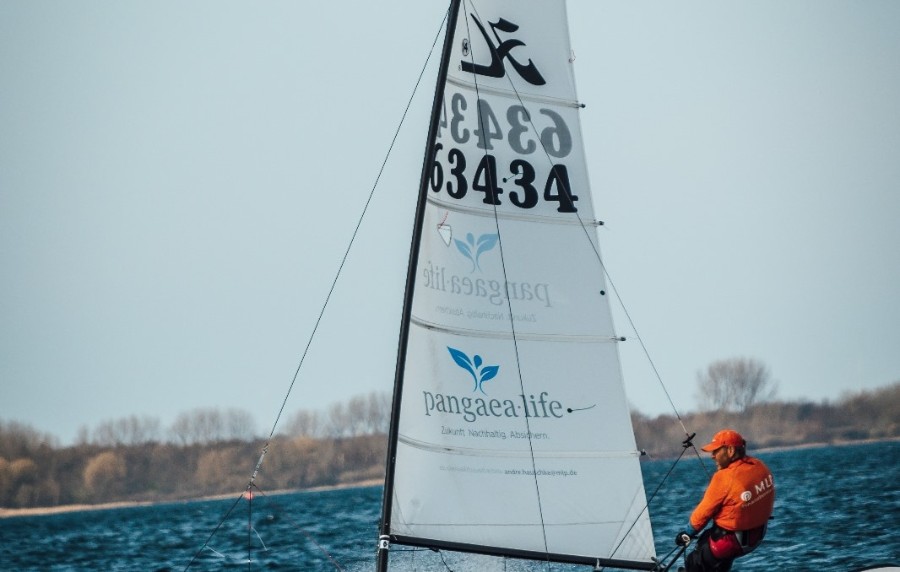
<point>724,438</point>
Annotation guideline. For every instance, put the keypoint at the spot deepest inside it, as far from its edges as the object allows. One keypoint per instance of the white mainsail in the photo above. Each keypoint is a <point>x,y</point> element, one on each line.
<point>514,435</point>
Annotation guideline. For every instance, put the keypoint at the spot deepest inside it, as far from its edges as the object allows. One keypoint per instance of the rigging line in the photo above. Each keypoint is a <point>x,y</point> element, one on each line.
<point>215,530</point>
<point>595,248</point>
<point>679,550</point>
<point>650,499</point>
<point>480,117</point>
<point>249,529</point>
<point>328,296</point>
<point>688,443</point>
<point>612,286</point>
<point>512,323</point>
<point>658,378</point>
<point>297,525</point>
<point>355,232</point>
<point>640,341</point>
<point>444,561</point>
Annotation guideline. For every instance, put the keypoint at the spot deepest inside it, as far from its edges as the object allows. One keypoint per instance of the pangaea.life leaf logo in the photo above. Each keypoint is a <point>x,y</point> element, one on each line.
<point>473,249</point>
<point>479,372</point>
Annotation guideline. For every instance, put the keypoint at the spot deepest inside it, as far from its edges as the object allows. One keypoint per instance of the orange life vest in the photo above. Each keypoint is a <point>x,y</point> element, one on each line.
<point>739,497</point>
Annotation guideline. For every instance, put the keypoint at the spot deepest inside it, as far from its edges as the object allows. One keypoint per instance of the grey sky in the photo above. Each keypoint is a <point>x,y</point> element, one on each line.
<point>178,182</point>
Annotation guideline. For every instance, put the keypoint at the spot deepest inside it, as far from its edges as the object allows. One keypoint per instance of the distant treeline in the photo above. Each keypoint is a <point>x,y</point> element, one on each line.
<point>858,417</point>
<point>205,452</point>
<point>210,453</point>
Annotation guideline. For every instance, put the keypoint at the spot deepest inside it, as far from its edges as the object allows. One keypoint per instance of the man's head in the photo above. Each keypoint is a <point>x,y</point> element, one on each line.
<point>726,446</point>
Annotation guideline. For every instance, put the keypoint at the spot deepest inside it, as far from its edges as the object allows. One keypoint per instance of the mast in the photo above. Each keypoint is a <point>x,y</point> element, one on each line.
<point>387,497</point>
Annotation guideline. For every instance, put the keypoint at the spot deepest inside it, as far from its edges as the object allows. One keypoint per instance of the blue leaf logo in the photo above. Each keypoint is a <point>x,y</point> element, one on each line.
<point>473,249</point>
<point>474,367</point>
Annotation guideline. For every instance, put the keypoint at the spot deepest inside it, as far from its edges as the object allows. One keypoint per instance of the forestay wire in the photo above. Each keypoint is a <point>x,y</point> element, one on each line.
<point>349,246</point>
<point>251,483</point>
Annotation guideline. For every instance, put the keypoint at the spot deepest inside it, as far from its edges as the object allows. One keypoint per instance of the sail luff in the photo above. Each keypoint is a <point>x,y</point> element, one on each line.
<point>390,465</point>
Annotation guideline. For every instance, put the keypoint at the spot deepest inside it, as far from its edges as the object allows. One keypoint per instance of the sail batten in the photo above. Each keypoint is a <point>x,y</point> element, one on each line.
<point>512,94</point>
<point>550,337</point>
<point>493,214</point>
<point>473,452</point>
<point>511,433</point>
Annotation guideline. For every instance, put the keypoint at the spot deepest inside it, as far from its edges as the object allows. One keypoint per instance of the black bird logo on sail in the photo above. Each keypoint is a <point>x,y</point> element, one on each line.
<point>502,51</point>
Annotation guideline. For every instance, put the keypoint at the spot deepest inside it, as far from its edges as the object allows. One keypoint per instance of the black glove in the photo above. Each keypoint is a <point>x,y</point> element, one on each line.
<point>683,538</point>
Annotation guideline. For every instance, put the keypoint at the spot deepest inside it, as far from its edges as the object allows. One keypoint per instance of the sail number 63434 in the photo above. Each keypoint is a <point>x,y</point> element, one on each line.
<point>486,179</point>
<point>523,137</point>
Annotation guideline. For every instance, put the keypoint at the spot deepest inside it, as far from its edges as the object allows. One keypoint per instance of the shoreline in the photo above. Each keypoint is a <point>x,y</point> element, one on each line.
<point>62,509</point>
<point>840,443</point>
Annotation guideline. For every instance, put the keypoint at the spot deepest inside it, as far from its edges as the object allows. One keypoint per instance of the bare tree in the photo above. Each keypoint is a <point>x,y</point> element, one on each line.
<point>198,427</point>
<point>209,425</point>
<point>378,412</point>
<point>180,431</point>
<point>20,440</point>
<point>735,384</point>
<point>360,415</point>
<point>240,425</point>
<point>305,424</point>
<point>131,430</point>
<point>339,421</point>
<point>356,416</point>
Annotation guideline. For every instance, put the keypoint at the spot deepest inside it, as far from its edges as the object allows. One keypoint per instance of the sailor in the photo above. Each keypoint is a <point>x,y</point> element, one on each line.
<point>738,502</point>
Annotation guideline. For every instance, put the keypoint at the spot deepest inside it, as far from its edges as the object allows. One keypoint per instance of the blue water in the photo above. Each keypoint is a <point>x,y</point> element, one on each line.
<point>838,508</point>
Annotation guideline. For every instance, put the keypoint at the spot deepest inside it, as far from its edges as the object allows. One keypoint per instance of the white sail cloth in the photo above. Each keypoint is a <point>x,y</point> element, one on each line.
<point>514,427</point>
